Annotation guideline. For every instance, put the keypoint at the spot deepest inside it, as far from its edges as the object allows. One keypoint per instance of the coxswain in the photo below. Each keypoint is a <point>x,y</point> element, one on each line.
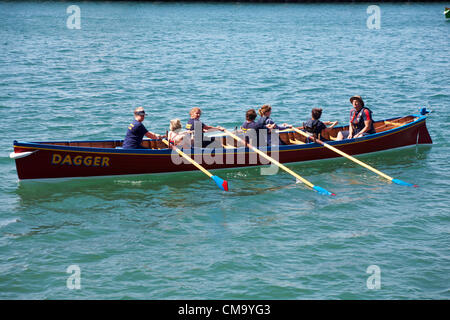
<point>361,122</point>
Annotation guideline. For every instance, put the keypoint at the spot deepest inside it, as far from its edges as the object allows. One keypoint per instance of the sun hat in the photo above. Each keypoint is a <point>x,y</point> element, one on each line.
<point>357,98</point>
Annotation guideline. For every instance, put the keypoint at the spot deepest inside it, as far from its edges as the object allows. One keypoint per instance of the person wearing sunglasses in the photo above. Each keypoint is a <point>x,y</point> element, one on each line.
<point>136,131</point>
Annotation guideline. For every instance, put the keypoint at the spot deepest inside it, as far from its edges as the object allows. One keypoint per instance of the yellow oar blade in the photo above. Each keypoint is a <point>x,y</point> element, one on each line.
<point>272,160</point>
<point>365,165</point>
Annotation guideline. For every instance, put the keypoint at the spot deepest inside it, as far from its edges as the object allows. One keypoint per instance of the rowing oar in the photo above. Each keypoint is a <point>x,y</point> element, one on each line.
<point>222,184</point>
<point>316,188</point>
<point>397,181</point>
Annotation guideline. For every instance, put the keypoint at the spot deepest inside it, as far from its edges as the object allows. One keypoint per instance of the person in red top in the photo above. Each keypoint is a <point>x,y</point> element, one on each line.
<point>361,122</point>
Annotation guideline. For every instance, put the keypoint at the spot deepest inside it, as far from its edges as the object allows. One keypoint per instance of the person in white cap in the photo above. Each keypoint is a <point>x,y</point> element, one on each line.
<point>136,131</point>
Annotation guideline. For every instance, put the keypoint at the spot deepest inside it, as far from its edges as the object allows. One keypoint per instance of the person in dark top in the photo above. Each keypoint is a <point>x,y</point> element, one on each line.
<point>361,122</point>
<point>136,131</point>
<point>194,124</point>
<point>265,111</point>
<point>314,125</point>
<point>251,128</point>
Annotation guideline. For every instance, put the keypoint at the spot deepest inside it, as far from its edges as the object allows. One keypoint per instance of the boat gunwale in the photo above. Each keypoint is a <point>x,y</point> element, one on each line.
<point>167,151</point>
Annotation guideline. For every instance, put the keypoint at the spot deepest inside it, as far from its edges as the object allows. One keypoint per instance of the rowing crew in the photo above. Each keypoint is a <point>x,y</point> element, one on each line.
<point>361,124</point>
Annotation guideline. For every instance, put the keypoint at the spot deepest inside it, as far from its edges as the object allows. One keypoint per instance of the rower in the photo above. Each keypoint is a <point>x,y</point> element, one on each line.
<point>314,125</point>
<point>198,128</point>
<point>250,127</point>
<point>265,111</point>
<point>136,131</point>
<point>176,136</point>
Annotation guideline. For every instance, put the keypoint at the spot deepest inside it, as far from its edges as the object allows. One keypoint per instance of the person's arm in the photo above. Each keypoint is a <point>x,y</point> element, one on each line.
<point>210,128</point>
<point>283,126</point>
<point>320,128</point>
<point>267,123</point>
<point>152,135</point>
<point>367,124</point>
<point>350,125</point>
<point>350,131</point>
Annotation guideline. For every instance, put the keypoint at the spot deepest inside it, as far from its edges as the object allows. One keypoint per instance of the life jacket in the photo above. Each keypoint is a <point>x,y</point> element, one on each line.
<point>357,120</point>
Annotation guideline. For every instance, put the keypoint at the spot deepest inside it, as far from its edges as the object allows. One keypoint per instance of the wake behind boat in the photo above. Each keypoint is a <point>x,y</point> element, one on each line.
<point>69,159</point>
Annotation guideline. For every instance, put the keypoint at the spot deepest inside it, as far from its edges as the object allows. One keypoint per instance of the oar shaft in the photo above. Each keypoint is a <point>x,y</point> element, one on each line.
<point>188,158</point>
<point>357,161</point>
<point>270,159</point>
<point>345,155</point>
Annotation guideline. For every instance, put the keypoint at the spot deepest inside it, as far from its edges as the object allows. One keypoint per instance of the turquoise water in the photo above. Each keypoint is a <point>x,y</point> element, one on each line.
<point>178,236</point>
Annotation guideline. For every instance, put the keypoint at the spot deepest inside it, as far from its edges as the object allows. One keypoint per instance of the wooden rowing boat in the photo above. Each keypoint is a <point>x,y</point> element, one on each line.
<point>66,159</point>
<point>447,13</point>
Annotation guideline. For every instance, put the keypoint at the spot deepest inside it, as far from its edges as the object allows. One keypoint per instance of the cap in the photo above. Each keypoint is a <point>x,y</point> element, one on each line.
<point>140,111</point>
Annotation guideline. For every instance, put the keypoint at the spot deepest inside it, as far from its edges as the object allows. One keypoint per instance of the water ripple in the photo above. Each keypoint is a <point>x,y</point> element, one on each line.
<point>177,236</point>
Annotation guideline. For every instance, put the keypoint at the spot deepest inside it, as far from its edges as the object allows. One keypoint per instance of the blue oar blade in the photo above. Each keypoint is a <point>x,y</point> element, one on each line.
<point>323,191</point>
<point>403,183</point>
<point>222,184</point>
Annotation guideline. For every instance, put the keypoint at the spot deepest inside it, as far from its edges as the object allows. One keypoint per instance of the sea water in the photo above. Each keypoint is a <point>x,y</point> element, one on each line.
<point>77,74</point>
